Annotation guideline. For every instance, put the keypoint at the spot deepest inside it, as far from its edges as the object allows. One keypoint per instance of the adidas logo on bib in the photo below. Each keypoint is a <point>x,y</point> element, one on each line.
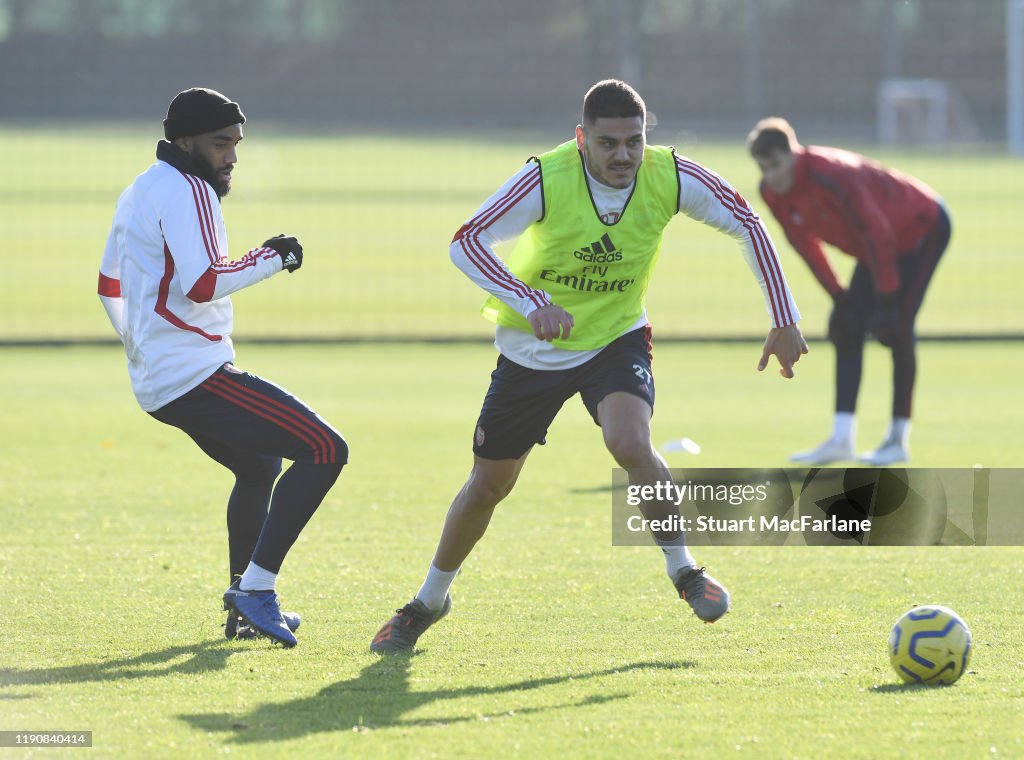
<point>600,251</point>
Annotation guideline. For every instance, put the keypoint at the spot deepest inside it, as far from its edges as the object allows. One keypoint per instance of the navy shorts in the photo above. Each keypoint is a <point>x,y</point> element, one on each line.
<point>916,268</point>
<point>521,403</point>
<point>247,423</point>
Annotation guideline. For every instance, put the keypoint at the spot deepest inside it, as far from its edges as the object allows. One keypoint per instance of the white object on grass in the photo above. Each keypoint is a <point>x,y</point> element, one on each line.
<point>681,444</point>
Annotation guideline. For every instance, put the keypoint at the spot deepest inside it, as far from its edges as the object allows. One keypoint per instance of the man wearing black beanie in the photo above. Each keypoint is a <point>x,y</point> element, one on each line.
<point>165,282</point>
<point>194,119</point>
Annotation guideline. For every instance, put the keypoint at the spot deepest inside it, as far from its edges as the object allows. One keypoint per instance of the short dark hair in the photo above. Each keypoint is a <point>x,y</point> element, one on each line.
<point>770,135</point>
<point>612,99</point>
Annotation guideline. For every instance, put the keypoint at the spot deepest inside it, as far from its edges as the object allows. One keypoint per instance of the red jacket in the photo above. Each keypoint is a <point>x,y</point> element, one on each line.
<point>866,210</point>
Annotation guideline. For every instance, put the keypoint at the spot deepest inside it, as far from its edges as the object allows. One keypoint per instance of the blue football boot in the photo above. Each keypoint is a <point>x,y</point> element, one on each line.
<point>237,628</point>
<point>261,611</point>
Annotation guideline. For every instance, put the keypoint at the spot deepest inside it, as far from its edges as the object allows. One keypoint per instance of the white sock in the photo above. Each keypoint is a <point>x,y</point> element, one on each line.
<point>899,430</point>
<point>435,587</point>
<point>843,427</point>
<point>255,578</point>
<point>677,558</point>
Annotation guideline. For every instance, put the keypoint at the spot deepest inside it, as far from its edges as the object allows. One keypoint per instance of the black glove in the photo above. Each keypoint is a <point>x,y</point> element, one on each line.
<point>845,328</point>
<point>886,325</point>
<point>289,249</point>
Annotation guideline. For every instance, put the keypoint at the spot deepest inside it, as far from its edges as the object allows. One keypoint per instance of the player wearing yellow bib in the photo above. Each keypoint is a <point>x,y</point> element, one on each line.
<point>595,271</point>
<point>588,217</point>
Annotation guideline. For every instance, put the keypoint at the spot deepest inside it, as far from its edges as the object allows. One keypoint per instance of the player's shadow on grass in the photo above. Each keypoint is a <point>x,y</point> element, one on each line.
<point>187,659</point>
<point>379,697</point>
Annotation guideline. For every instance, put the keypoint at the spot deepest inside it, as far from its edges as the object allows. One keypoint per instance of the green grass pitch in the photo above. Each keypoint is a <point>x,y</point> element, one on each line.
<point>376,215</point>
<point>114,557</point>
<point>113,550</point>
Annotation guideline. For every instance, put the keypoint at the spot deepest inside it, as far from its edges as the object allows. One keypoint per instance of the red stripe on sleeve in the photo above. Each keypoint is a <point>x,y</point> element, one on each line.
<point>109,287</point>
<point>493,269</point>
<point>202,291</point>
<point>248,260</point>
<point>516,193</point>
<point>767,261</point>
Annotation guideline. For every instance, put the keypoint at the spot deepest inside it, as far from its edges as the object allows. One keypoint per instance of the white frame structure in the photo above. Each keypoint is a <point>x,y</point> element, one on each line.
<point>1015,76</point>
<point>931,95</point>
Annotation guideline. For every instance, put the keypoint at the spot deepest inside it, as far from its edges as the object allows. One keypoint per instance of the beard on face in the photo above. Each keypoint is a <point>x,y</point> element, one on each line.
<point>610,168</point>
<point>603,173</point>
<point>207,171</point>
<point>620,167</point>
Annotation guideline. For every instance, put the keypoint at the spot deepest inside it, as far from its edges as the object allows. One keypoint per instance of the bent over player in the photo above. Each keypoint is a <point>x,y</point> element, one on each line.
<point>570,317</point>
<point>896,227</point>
<point>165,281</point>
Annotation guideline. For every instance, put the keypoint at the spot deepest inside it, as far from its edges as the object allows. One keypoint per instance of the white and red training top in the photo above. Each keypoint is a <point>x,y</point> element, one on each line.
<point>703,196</point>
<point>164,281</point>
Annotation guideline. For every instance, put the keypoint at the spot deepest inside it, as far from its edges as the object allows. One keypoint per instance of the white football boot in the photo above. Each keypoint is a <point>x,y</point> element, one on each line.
<point>892,451</point>
<point>832,450</point>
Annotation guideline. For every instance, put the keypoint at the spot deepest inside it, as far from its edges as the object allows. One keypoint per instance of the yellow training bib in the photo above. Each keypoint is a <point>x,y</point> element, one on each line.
<point>597,272</point>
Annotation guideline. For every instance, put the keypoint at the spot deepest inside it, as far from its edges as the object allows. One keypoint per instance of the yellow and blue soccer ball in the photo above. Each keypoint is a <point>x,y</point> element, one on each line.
<point>930,645</point>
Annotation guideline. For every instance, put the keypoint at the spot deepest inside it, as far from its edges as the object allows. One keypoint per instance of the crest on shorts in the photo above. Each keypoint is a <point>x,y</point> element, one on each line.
<point>479,436</point>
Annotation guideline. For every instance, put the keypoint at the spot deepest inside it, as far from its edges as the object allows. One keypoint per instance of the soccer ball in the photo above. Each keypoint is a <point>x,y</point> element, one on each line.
<point>930,645</point>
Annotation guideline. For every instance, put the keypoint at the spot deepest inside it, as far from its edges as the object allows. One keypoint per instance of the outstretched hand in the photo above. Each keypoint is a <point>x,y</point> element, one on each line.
<point>551,322</point>
<point>787,344</point>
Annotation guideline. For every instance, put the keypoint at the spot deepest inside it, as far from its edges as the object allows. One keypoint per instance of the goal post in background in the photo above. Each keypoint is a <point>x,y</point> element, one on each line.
<point>928,112</point>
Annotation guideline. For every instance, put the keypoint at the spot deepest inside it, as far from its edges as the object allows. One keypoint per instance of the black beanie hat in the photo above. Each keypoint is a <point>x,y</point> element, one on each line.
<point>198,110</point>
